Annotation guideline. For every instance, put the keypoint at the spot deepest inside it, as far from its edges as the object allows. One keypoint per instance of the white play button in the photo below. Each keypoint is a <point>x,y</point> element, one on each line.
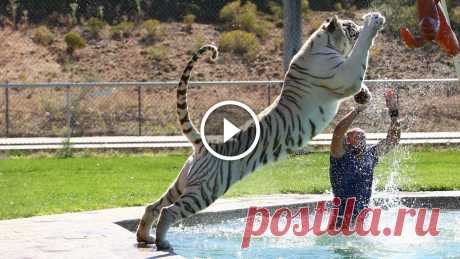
<point>230,130</point>
<point>229,118</point>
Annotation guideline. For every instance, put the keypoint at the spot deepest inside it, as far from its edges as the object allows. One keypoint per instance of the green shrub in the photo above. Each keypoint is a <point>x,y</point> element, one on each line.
<point>122,30</point>
<point>243,17</point>
<point>43,36</point>
<point>338,6</point>
<point>228,13</point>
<point>276,9</point>
<point>398,14</point>
<point>240,43</point>
<point>157,53</point>
<point>151,29</point>
<point>94,26</point>
<point>189,19</point>
<point>74,41</point>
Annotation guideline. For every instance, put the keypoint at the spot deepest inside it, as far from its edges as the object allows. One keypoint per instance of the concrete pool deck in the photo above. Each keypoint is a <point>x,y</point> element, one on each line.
<point>98,234</point>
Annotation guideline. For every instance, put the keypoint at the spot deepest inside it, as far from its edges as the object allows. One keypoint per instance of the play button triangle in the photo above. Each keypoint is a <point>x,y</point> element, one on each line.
<point>230,130</point>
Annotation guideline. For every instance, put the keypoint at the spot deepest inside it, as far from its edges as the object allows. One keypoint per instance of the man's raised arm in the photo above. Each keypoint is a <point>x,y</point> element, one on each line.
<point>337,147</point>
<point>394,133</point>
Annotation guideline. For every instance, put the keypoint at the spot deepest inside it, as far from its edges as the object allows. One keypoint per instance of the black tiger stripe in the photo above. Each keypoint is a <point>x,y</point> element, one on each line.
<point>323,53</point>
<point>293,101</point>
<point>333,57</point>
<point>268,122</point>
<point>321,110</point>
<point>188,207</point>
<point>276,134</point>
<point>181,92</point>
<point>300,141</point>
<point>215,191</point>
<point>194,199</point>
<point>276,153</point>
<point>221,172</point>
<point>176,188</point>
<point>184,119</point>
<point>160,201</point>
<point>338,65</point>
<point>251,156</point>
<point>254,166</point>
<point>289,92</point>
<point>291,114</point>
<point>229,176</point>
<point>265,160</point>
<point>301,129</point>
<point>205,197</point>
<point>182,106</point>
<point>289,139</point>
<point>262,154</point>
<point>169,199</point>
<point>313,128</point>
<point>281,116</point>
<point>199,169</point>
<point>292,78</point>
<point>185,77</point>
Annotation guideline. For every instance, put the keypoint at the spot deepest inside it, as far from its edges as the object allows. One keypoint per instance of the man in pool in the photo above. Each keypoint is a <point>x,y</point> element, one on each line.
<point>352,161</point>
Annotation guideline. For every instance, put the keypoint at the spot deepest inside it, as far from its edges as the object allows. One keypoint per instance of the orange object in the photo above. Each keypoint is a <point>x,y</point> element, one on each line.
<point>433,26</point>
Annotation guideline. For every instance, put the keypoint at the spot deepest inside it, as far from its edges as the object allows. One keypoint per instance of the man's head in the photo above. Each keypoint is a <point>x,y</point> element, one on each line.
<point>356,139</point>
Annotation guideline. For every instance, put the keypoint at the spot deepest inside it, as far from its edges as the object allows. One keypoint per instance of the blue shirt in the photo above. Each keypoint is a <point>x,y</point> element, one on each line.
<point>352,177</point>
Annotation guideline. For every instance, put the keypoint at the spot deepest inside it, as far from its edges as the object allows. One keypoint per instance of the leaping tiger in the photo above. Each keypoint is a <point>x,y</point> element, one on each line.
<point>329,67</point>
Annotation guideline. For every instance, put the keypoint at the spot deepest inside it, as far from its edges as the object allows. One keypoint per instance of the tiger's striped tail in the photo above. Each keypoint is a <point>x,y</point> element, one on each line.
<point>186,125</point>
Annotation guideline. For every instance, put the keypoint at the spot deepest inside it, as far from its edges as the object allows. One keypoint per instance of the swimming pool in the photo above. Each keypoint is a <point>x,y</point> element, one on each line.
<point>224,241</point>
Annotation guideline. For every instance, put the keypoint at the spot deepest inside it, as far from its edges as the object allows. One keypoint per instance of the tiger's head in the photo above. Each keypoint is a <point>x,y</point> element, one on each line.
<point>342,34</point>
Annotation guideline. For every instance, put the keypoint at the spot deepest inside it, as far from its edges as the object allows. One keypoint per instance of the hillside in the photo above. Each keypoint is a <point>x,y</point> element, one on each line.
<point>106,59</point>
<point>110,111</point>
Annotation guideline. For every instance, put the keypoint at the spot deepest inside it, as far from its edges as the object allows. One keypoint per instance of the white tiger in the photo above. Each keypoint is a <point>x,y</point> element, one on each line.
<point>329,68</point>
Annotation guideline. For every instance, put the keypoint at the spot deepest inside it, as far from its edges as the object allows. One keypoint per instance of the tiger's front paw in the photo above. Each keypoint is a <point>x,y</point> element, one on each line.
<point>363,97</point>
<point>374,22</point>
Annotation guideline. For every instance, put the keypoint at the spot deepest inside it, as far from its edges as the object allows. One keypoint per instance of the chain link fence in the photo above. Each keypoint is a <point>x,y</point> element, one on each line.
<point>149,109</point>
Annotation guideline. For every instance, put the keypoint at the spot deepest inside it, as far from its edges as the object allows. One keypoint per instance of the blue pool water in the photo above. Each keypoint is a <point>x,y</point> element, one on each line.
<point>224,241</point>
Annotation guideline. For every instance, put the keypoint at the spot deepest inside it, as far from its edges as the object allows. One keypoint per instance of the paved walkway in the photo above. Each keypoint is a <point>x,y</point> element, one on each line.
<point>94,234</point>
<point>408,138</point>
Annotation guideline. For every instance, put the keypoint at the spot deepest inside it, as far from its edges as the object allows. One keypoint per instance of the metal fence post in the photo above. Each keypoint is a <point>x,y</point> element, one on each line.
<point>139,109</point>
<point>68,112</point>
<point>7,111</point>
<point>292,29</point>
<point>269,93</point>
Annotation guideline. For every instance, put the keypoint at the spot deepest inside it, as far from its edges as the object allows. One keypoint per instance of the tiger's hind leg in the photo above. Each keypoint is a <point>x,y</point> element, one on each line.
<point>187,205</point>
<point>152,211</point>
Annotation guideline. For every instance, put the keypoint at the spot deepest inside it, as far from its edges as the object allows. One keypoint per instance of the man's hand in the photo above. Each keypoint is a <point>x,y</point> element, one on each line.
<point>391,100</point>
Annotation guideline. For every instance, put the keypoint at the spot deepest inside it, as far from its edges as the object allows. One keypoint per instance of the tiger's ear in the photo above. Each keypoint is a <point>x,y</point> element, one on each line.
<point>333,24</point>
